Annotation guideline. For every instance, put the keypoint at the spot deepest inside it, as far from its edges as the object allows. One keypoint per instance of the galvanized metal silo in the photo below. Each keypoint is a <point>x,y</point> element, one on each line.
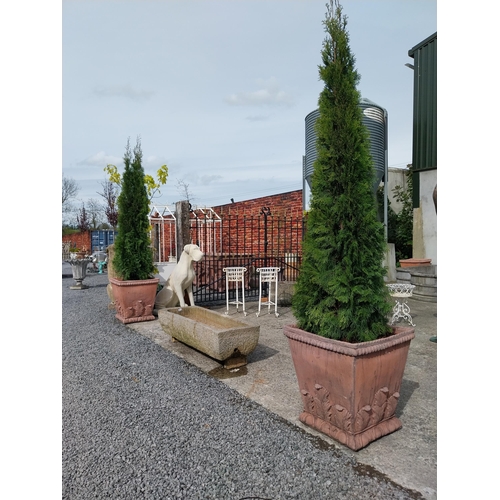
<point>375,120</point>
<point>311,152</point>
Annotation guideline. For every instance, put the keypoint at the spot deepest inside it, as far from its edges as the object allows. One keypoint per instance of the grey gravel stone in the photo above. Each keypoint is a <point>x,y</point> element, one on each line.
<point>139,422</point>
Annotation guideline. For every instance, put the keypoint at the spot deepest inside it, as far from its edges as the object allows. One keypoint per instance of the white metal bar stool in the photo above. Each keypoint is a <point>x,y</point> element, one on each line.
<point>235,274</point>
<point>269,275</point>
<point>400,292</point>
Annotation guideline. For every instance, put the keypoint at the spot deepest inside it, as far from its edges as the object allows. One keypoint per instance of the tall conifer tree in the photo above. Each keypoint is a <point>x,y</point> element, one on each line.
<point>133,253</point>
<point>340,292</point>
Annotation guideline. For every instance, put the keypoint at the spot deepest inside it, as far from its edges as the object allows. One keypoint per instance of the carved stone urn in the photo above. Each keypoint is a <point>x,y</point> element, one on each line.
<point>79,269</point>
<point>350,391</point>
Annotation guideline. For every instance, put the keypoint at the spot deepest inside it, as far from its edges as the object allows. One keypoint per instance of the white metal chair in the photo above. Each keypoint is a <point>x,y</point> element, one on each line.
<point>237,275</point>
<point>269,275</point>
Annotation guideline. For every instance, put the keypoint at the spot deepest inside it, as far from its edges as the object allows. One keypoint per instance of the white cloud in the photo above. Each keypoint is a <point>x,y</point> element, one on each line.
<point>207,179</point>
<point>269,94</point>
<point>100,159</point>
<point>123,91</point>
<point>154,161</point>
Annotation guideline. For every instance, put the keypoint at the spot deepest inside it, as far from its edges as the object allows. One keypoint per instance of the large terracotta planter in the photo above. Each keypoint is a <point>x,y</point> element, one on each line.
<point>135,299</point>
<point>350,391</point>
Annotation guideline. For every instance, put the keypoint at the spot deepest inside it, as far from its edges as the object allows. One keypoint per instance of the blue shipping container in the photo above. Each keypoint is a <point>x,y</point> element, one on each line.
<point>102,239</point>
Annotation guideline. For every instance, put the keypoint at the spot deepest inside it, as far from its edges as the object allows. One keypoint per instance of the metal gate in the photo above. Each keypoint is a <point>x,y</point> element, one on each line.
<point>243,241</point>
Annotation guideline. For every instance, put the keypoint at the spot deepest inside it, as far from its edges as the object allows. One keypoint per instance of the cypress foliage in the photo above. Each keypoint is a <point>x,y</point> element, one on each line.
<point>340,292</point>
<point>133,254</point>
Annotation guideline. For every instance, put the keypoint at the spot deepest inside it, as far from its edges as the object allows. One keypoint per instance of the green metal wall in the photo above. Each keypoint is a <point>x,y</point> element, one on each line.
<point>424,154</point>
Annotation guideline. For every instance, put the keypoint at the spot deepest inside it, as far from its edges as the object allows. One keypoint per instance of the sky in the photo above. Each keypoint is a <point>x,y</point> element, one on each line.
<point>219,90</point>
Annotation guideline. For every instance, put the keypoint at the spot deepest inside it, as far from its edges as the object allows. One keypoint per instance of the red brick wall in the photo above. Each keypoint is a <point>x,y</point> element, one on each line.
<point>79,240</point>
<point>281,205</point>
<point>163,238</point>
<point>244,234</point>
<point>247,231</point>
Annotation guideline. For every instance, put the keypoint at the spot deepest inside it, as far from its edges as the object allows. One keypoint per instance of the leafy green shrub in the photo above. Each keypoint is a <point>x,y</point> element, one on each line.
<point>340,292</point>
<point>133,258</point>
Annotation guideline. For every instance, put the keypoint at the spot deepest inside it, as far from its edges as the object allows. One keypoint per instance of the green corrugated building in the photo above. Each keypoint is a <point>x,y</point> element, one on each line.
<point>424,153</point>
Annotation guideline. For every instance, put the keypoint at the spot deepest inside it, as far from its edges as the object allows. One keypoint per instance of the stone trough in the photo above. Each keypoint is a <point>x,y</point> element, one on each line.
<point>218,336</point>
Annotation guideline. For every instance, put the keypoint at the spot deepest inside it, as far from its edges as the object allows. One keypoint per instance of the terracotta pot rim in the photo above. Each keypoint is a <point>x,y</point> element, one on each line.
<point>415,262</point>
<point>401,335</point>
<point>119,282</point>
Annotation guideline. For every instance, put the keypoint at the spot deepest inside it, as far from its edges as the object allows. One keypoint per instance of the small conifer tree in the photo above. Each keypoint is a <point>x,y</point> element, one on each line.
<point>133,258</point>
<point>82,220</point>
<point>340,292</point>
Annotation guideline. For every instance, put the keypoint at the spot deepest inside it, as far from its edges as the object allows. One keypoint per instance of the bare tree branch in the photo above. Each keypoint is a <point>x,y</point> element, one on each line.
<point>110,195</point>
<point>183,190</point>
<point>95,212</point>
<point>82,220</point>
<point>70,189</point>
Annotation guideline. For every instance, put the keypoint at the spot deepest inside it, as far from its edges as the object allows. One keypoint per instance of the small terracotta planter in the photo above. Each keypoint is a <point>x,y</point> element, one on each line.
<point>415,262</point>
<point>350,391</point>
<point>134,299</point>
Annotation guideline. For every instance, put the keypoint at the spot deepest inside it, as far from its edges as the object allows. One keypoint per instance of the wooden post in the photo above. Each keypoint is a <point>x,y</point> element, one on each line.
<point>182,226</point>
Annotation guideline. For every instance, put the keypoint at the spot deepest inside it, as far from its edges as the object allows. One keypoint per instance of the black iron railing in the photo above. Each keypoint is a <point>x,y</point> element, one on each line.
<point>242,241</point>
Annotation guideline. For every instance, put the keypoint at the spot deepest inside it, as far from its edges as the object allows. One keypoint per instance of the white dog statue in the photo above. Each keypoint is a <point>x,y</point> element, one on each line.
<point>181,279</point>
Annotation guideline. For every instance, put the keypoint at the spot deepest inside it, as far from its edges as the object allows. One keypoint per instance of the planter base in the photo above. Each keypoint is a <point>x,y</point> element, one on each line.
<point>353,441</point>
<point>79,286</point>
